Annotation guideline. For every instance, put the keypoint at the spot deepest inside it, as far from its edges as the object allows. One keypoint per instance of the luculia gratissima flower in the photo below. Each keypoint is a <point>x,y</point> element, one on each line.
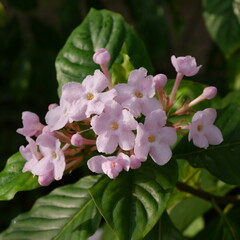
<point>120,124</point>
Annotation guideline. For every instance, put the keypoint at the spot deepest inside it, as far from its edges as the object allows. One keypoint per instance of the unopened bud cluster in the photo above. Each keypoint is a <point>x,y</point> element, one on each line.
<point>119,125</point>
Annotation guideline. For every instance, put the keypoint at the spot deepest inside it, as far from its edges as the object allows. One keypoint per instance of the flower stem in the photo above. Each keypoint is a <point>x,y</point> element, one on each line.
<point>175,88</point>
<point>106,73</point>
<point>208,196</point>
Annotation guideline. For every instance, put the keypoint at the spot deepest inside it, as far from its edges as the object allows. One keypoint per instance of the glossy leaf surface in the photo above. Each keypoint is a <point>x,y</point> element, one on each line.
<point>13,180</point>
<point>66,213</point>
<point>133,202</point>
<point>223,23</point>
<point>100,29</point>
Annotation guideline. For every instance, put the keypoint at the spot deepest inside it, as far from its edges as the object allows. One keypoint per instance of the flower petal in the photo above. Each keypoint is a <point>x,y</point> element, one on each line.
<point>214,135</point>
<point>107,143</point>
<point>200,140</point>
<point>168,135</point>
<point>149,105</point>
<point>160,153</point>
<point>57,117</point>
<point>97,83</point>
<point>43,167</point>
<point>126,140</point>
<point>95,163</point>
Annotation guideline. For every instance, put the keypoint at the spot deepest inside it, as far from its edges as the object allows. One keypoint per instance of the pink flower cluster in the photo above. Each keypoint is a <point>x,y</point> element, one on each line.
<point>124,123</point>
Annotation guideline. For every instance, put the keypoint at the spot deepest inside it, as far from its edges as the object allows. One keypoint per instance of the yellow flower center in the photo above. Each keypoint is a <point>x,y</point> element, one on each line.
<point>199,127</point>
<point>151,138</point>
<point>138,95</point>
<point>114,126</point>
<point>90,96</point>
<point>54,155</point>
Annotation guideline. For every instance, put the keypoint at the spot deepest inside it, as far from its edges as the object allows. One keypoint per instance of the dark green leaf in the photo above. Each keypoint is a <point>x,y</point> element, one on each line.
<point>100,29</point>
<point>234,71</point>
<point>107,233</point>
<point>188,211</point>
<point>133,202</point>
<point>223,23</point>
<point>221,160</point>
<point>226,227</point>
<point>164,230</point>
<point>66,213</point>
<point>13,180</point>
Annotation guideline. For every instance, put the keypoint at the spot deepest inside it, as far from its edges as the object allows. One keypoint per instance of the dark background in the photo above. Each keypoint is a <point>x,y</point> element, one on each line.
<point>33,31</point>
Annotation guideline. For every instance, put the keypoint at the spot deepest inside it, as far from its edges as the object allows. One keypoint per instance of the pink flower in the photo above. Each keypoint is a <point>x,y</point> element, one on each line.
<point>138,94</point>
<point>160,81</point>
<point>110,166</point>
<point>78,141</point>
<point>59,116</point>
<point>202,131</point>
<point>53,161</point>
<point>45,180</point>
<point>101,56</point>
<point>185,65</point>
<point>155,139</point>
<point>210,92</point>
<point>114,127</point>
<point>135,162</point>
<point>31,125</point>
<point>92,100</point>
<point>31,154</point>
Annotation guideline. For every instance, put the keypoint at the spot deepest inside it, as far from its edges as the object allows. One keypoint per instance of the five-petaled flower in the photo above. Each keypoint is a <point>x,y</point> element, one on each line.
<point>114,127</point>
<point>202,131</point>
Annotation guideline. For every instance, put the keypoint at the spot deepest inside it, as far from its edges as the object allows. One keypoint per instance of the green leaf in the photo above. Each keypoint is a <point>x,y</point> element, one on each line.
<point>66,213</point>
<point>13,180</point>
<point>188,211</point>
<point>122,69</point>
<point>225,227</point>
<point>233,65</point>
<point>164,230</point>
<point>223,22</point>
<point>107,233</point>
<point>133,202</point>
<point>100,29</point>
<point>220,160</point>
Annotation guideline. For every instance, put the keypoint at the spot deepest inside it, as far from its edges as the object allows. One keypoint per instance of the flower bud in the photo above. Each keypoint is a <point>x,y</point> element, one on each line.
<point>185,65</point>
<point>209,92</point>
<point>101,56</point>
<point>77,140</point>
<point>52,106</point>
<point>160,81</point>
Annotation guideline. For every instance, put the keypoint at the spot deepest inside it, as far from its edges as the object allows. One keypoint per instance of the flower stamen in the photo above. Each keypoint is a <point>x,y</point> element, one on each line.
<point>114,126</point>
<point>138,95</point>
<point>54,155</point>
<point>90,96</point>
<point>151,138</point>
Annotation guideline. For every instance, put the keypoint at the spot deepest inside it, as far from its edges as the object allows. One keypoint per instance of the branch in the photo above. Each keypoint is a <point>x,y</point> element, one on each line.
<point>208,196</point>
